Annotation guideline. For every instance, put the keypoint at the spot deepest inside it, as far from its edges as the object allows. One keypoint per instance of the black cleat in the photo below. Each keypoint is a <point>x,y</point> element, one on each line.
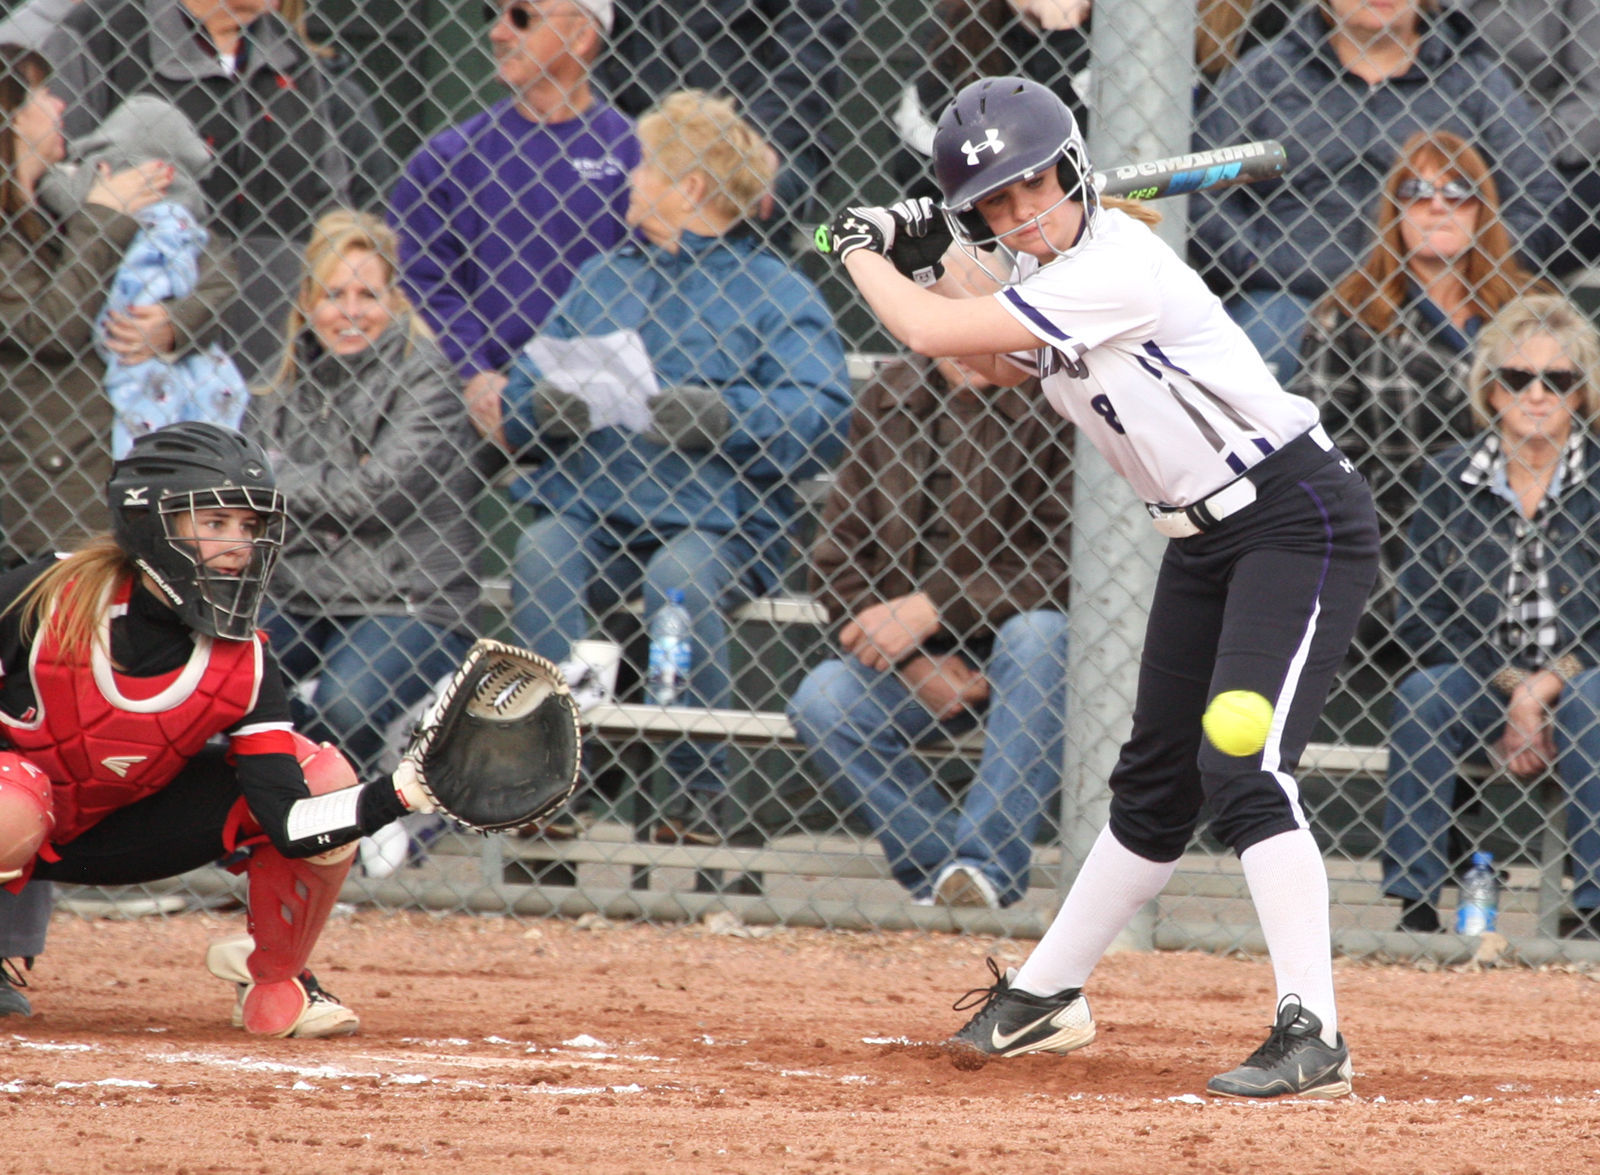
<point>1292,1063</point>
<point>12,1001</point>
<point>1011,1023</point>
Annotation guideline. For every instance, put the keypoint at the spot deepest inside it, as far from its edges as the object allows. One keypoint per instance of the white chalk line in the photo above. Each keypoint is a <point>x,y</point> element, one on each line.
<point>645,1071</point>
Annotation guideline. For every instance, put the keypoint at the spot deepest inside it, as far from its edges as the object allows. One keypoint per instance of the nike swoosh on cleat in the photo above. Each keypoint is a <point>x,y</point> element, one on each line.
<point>1003,1041</point>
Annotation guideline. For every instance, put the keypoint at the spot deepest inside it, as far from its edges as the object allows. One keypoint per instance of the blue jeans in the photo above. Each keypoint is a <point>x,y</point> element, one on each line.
<point>862,728</point>
<point>25,919</point>
<point>369,671</point>
<point>1445,713</point>
<point>1274,320</point>
<point>565,568</point>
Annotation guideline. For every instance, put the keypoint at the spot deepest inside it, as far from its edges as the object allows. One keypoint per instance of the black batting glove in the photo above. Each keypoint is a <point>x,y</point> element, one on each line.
<point>920,240</point>
<point>856,228</point>
<point>915,217</point>
<point>912,234</point>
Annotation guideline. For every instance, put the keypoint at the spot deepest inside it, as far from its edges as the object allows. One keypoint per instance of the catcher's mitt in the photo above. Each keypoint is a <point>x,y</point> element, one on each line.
<point>499,748</point>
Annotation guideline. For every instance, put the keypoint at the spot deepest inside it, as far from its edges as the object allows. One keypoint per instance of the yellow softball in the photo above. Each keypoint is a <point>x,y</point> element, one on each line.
<point>1237,722</point>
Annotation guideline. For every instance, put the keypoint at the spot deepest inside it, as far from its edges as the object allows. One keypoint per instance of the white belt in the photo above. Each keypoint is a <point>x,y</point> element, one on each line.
<point>1184,521</point>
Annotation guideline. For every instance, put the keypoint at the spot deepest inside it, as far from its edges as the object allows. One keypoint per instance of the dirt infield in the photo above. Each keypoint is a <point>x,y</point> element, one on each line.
<point>493,1046</point>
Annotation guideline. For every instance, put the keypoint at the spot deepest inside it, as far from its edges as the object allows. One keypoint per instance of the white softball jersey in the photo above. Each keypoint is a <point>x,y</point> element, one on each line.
<point>1139,354</point>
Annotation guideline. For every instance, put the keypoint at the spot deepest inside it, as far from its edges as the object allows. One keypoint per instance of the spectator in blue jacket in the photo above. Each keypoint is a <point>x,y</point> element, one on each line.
<point>693,490</point>
<point>1500,606</point>
<point>1343,88</point>
<point>496,214</point>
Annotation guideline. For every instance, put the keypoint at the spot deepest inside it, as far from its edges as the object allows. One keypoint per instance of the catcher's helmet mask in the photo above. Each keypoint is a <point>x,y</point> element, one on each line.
<point>177,472</point>
<point>995,132</point>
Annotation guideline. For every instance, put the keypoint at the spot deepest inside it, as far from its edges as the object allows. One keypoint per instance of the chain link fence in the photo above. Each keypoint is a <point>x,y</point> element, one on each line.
<point>718,416</point>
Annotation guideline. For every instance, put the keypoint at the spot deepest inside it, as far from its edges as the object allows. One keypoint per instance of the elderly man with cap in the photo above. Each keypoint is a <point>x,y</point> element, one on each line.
<point>495,214</point>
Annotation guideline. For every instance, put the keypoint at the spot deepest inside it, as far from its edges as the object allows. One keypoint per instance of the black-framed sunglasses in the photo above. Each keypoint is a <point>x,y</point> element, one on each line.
<point>1451,191</point>
<point>1517,380</point>
<point>522,16</point>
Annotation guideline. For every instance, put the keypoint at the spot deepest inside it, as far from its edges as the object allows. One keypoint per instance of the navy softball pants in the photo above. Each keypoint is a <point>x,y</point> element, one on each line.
<point>1266,601</point>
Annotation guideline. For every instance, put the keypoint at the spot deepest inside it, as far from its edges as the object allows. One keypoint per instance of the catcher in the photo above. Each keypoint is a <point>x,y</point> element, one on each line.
<point>120,663</point>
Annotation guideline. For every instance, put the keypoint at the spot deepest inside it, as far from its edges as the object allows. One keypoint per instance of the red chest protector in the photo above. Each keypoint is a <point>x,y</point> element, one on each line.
<point>106,741</point>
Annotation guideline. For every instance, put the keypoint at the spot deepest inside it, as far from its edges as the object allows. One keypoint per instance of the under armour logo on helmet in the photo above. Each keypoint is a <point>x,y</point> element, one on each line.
<point>991,142</point>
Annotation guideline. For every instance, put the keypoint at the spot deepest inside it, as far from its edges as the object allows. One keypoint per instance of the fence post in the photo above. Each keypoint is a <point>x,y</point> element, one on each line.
<point>1141,108</point>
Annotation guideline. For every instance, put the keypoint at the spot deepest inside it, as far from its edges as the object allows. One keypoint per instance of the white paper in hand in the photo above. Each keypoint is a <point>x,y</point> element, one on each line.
<point>612,373</point>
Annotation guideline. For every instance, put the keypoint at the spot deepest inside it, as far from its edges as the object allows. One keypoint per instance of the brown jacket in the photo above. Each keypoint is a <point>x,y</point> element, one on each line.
<point>1008,513</point>
<point>55,416</point>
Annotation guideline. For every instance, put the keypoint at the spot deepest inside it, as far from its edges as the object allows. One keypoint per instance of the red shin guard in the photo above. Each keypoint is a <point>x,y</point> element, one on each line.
<point>289,905</point>
<point>290,901</point>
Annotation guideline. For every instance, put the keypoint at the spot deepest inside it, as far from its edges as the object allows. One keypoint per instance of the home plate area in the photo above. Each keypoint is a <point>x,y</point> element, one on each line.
<point>501,1045</point>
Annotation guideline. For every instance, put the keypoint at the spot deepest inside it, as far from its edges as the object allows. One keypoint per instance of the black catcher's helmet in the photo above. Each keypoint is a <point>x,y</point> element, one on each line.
<point>997,131</point>
<point>174,472</point>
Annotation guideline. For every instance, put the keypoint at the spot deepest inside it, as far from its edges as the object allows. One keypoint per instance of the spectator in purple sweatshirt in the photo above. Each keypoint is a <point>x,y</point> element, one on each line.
<point>494,215</point>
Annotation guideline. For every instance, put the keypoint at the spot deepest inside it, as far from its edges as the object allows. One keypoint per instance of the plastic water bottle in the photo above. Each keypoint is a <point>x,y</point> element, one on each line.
<point>668,672</point>
<point>1480,896</point>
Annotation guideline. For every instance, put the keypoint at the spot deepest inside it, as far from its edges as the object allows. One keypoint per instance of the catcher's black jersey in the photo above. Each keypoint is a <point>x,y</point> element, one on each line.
<point>149,640</point>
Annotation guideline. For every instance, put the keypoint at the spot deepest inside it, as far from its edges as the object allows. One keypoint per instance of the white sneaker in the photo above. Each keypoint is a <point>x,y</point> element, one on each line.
<point>966,885</point>
<point>588,690</point>
<point>324,1015</point>
<point>386,851</point>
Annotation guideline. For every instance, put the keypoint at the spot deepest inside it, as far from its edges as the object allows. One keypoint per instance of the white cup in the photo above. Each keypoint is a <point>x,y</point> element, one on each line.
<point>592,672</point>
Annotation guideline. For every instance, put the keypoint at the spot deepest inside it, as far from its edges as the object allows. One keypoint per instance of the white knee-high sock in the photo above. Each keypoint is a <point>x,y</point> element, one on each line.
<point>1289,885</point>
<point>1110,888</point>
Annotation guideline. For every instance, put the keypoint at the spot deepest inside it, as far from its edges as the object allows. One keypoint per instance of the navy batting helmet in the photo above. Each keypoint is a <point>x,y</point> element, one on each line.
<point>175,472</point>
<point>997,131</point>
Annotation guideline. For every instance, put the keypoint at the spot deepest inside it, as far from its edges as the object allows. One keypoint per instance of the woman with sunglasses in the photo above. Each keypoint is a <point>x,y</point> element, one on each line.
<point>1387,351</point>
<point>1342,88</point>
<point>1500,606</point>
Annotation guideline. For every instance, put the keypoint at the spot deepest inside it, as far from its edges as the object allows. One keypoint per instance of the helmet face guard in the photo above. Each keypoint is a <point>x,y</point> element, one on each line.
<point>157,493</point>
<point>220,603</point>
<point>995,132</point>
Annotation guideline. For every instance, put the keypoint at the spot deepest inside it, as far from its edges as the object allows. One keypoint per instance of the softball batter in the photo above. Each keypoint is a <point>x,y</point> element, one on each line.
<point>1273,547</point>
